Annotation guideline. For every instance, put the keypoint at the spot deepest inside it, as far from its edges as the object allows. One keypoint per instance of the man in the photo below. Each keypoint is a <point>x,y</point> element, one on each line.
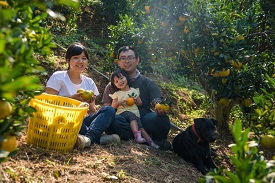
<point>156,123</point>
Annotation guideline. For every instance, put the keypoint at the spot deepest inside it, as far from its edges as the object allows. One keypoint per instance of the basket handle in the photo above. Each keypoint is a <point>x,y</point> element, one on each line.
<point>83,104</point>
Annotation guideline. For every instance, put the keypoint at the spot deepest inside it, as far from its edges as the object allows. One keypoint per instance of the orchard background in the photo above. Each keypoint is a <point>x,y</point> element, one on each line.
<point>221,51</point>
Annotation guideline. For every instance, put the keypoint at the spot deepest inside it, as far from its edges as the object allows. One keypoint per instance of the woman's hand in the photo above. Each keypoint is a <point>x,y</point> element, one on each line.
<point>77,96</point>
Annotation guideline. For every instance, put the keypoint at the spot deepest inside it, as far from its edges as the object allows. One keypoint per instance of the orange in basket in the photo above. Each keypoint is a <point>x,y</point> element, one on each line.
<point>56,122</point>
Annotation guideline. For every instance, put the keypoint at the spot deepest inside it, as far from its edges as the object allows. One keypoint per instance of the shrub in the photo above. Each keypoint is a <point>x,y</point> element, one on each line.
<point>22,41</point>
<point>250,165</point>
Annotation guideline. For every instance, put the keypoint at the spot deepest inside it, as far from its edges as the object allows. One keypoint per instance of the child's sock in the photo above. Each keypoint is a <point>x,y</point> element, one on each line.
<point>153,144</point>
<point>138,138</point>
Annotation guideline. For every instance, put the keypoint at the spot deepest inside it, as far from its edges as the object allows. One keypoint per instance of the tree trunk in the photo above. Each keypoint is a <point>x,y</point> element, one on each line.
<point>222,116</point>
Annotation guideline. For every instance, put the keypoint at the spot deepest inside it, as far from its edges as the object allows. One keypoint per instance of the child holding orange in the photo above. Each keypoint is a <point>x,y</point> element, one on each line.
<point>128,109</point>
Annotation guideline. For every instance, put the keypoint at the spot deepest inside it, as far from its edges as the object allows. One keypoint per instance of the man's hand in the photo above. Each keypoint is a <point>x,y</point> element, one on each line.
<point>92,106</point>
<point>160,112</point>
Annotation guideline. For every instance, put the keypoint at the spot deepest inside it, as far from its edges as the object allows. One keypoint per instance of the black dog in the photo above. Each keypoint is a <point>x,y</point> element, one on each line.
<point>193,144</point>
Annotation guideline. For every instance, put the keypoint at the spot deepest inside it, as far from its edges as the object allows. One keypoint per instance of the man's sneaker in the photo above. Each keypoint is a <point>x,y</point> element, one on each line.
<point>109,139</point>
<point>82,141</point>
<point>163,144</point>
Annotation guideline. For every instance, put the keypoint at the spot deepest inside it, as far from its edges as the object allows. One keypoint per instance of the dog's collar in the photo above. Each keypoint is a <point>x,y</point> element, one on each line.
<point>195,132</point>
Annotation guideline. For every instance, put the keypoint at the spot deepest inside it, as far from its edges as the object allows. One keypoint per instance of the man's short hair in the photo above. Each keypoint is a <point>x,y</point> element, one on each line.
<point>126,48</point>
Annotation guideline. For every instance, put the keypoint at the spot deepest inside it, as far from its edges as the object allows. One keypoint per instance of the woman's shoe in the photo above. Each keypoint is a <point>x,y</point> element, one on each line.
<point>82,142</point>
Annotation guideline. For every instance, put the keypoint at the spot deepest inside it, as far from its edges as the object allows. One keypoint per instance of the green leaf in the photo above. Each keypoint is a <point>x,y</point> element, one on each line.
<point>233,178</point>
<point>4,126</point>
<point>24,82</point>
<point>219,178</point>
<point>236,130</point>
<point>235,161</point>
<point>2,45</point>
<point>245,136</point>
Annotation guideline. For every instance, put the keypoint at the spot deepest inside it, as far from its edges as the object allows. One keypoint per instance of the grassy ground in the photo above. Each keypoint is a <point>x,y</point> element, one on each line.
<point>128,162</point>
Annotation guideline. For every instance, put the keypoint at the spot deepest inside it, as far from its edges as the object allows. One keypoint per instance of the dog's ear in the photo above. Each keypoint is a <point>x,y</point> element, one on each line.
<point>215,122</point>
<point>198,122</point>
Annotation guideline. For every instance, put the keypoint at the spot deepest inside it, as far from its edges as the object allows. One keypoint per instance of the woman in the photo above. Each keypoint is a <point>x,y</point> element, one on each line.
<point>67,83</point>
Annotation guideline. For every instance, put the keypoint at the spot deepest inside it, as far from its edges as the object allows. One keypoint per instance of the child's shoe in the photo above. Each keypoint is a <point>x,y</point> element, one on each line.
<point>138,138</point>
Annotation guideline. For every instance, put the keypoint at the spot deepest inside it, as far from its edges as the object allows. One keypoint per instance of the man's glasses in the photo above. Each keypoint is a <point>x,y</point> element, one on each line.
<point>130,59</point>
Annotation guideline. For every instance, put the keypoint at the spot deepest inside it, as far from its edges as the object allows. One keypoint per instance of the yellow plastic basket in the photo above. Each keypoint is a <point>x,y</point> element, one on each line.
<point>56,123</point>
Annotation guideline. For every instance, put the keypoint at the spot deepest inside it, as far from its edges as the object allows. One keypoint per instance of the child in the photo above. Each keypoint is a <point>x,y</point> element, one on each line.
<point>120,81</point>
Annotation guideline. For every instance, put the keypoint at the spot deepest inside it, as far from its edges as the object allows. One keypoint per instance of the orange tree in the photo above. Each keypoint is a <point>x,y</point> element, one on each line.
<point>227,45</point>
<point>22,41</point>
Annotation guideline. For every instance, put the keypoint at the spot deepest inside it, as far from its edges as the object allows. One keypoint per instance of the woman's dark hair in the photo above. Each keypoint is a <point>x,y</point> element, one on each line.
<point>76,49</point>
<point>126,48</point>
<point>118,74</point>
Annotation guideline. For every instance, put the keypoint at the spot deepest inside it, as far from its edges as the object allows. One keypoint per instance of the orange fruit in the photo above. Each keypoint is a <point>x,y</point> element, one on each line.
<point>224,80</point>
<point>182,19</point>
<point>37,12</point>
<point>196,50</point>
<point>147,9</point>
<point>224,101</point>
<point>5,109</point>
<point>163,107</point>
<point>87,95</point>
<point>174,57</point>
<point>80,90</point>
<point>236,64</point>
<point>215,74</point>
<point>4,4</point>
<point>185,30</point>
<point>224,73</point>
<point>164,24</point>
<point>153,58</point>
<point>233,14</point>
<point>216,53</point>
<point>112,55</point>
<point>247,102</point>
<point>240,38</point>
<point>130,101</point>
<point>183,51</point>
<point>268,141</point>
<point>9,144</point>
